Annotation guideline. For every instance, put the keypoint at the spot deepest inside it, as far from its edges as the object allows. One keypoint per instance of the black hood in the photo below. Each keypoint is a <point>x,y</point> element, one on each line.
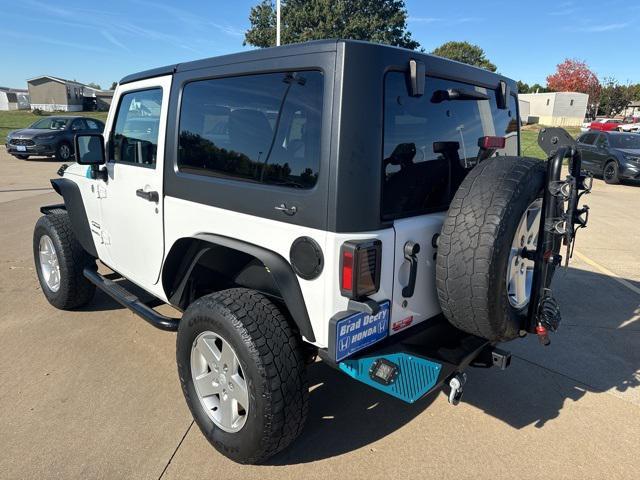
<point>29,133</point>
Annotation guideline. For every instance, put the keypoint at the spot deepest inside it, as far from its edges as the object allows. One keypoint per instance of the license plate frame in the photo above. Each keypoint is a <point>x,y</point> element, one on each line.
<point>356,331</point>
<point>21,148</point>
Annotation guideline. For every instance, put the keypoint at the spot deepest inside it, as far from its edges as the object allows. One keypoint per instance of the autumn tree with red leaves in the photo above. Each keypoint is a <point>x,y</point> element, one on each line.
<point>576,76</point>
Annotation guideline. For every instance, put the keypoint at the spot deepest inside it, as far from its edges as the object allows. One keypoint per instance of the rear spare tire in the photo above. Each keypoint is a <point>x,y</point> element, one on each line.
<point>483,280</point>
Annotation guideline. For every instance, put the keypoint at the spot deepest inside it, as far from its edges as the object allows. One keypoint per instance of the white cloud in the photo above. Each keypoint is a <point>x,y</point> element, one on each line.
<point>114,40</point>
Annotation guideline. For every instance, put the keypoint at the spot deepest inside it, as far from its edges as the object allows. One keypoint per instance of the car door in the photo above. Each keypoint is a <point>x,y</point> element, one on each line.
<point>132,197</point>
<point>600,153</point>
<point>587,150</point>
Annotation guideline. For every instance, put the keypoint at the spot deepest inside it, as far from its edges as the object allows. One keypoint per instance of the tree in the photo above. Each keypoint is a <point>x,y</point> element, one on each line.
<point>94,85</point>
<point>113,85</point>
<point>523,87</point>
<point>615,97</point>
<point>465,52</point>
<point>576,76</point>
<point>383,21</point>
<point>537,88</point>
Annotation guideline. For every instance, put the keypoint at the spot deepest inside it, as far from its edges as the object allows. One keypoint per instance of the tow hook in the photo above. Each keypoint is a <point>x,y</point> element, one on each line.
<point>457,384</point>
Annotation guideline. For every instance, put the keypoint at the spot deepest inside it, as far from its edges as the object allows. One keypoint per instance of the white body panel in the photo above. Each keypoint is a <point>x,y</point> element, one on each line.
<point>424,302</point>
<point>132,227</point>
<point>321,295</point>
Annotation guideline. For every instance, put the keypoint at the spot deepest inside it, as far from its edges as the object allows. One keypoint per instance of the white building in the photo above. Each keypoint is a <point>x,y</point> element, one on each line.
<point>525,110</point>
<point>14,99</point>
<point>556,109</point>
<point>633,110</point>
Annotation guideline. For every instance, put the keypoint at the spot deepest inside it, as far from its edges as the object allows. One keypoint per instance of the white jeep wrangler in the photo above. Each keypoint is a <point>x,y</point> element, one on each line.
<point>354,201</point>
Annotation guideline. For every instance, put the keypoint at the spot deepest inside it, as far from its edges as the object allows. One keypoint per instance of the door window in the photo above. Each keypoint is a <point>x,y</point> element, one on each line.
<point>587,138</point>
<point>259,128</point>
<point>602,141</point>
<point>78,124</point>
<point>134,139</point>
<point>92,124</point>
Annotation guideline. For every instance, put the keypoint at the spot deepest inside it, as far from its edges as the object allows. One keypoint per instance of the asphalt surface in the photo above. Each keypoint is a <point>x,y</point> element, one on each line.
<point>94,393</point>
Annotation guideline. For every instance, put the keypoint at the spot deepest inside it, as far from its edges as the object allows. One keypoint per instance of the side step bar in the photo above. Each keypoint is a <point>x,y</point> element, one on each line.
<point>129,300</point>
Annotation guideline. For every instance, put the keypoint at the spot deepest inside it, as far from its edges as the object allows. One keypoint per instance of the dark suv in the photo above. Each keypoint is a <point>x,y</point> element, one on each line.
<point>50,136</point>
<point>614,156</point>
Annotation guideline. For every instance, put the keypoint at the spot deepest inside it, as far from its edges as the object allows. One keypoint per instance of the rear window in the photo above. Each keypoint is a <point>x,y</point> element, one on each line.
<point>430,143</point>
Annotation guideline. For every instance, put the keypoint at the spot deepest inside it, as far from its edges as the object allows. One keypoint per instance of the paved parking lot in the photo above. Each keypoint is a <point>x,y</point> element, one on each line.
<point>94,393</point>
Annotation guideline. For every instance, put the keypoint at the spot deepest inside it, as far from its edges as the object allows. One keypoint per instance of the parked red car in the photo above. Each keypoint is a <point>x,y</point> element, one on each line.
<point>605,125</point>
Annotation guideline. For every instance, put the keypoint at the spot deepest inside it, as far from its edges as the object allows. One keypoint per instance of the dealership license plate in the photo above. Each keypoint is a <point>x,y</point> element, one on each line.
<point>361,330</point>
<point>21,148</point>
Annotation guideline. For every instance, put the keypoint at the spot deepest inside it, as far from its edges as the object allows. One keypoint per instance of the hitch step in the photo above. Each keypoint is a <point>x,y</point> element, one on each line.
<point>129,300</point>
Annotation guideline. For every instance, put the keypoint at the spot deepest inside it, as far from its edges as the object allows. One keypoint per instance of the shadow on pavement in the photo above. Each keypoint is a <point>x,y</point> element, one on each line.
<point>595,350</point>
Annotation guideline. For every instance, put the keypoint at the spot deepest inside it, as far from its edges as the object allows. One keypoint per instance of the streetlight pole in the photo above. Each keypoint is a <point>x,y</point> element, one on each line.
<point>278,23</point>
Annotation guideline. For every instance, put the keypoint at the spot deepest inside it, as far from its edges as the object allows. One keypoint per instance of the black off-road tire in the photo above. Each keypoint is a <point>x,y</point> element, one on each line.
<point>75,290</point>
<point>270,355</point>
<point>475,243</point>
<point>611,173</point>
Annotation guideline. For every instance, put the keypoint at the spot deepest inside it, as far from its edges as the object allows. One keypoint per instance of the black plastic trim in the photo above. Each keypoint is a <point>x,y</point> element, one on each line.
<point>154,72</point>
<point>130,301</point>
<point>279,268</point>
<point>75,206</point>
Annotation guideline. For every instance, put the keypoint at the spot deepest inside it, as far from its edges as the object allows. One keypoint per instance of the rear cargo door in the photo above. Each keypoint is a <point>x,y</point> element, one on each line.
<point>431,142</point>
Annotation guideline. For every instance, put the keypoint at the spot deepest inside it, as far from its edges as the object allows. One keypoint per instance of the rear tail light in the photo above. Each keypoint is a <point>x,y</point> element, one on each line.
<point>360,263</point>
<point>491,143</point>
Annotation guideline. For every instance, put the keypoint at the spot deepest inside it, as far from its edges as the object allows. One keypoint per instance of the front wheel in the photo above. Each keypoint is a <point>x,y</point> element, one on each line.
<point>60,261</point>
<point>611,173</point>
<point>63,152</point>
<point>242,374</point>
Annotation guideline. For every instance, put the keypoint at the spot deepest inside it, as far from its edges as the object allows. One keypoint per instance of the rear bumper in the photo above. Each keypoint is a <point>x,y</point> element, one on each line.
<point>426,357</point>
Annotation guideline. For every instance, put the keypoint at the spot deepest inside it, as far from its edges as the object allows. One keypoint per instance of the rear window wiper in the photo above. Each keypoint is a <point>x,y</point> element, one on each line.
<point>457,94</point>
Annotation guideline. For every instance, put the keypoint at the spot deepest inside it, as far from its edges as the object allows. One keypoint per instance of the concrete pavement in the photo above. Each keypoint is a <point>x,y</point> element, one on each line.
<point>94,393</point>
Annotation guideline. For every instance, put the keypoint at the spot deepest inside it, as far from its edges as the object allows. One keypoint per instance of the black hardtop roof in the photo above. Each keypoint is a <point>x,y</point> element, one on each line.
<point>315,46</point>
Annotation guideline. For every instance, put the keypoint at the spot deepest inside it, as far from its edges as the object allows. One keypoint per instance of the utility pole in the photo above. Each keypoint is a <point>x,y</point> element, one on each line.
<point>278,23</point>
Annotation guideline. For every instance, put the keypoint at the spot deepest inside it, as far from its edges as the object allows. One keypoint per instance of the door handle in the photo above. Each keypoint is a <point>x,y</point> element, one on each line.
<point>149,196</point>
<point>286,210</point>
<point>411,250</point>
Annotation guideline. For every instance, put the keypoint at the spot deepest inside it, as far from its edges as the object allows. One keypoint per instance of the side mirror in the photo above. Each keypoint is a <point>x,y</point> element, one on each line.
<point>90,149</point>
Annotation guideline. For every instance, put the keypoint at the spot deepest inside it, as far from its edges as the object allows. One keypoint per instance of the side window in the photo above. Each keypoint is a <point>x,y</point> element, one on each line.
<point>602,141</point>
<point>260,128</point>
<point>134,140</point>
<point>78,124</point>
<point>587,139</point>
<point>92,124</point>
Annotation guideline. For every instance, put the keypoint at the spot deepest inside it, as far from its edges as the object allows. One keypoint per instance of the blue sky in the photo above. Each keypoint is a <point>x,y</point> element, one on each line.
<point>103,41</point>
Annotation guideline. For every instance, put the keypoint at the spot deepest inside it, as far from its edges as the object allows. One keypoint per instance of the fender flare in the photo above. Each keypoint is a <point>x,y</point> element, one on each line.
<point>279,268</point>
<point>74,205</point>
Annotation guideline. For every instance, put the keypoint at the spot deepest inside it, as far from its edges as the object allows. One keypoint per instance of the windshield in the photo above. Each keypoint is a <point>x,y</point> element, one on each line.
<point>51,123</point>
<point>629,141</point>
<point>431,142</point>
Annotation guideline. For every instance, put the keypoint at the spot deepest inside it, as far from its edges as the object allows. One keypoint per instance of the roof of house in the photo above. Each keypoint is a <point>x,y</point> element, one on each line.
<point>13,90</point>
<point>55,79</point>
